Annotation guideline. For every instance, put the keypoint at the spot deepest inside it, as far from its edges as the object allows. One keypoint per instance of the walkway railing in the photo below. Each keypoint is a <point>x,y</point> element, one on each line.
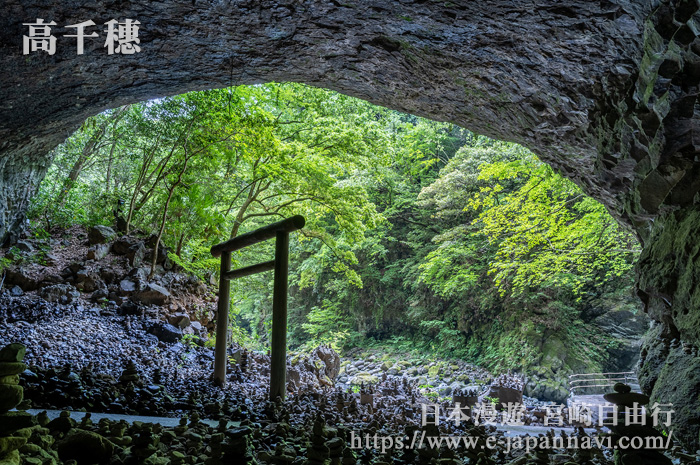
<point>599,383</point>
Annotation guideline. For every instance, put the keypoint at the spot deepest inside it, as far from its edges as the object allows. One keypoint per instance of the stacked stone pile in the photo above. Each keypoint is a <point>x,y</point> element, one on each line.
<point>11,395</point>
<point>629,405</point>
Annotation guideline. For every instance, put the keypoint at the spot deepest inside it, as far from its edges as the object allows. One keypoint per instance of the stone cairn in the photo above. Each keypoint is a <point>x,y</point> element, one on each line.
<point>325,445</point>
<point>13,425</point>
<point>130,373</point>
<point>244,361</point>
<point>624,398</point>
<point>507,388</point>
<point>366,394</point>
<point>466,398</point>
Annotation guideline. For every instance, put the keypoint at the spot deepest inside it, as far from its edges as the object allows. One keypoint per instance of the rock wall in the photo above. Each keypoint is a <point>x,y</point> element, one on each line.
<point>606,92</point>
<point>668,284</point>
<point>552,75</point>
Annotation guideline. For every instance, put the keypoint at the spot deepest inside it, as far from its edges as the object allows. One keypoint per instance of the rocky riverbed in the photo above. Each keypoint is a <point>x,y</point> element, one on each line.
<point>102,337</point>
<point>79,359</point>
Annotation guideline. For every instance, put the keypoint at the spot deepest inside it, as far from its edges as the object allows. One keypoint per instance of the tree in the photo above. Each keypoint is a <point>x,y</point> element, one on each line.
<point>546,230</point>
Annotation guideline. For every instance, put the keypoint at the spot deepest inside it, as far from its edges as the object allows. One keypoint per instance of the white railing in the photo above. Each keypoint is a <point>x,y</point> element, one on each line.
<point>585,383</point>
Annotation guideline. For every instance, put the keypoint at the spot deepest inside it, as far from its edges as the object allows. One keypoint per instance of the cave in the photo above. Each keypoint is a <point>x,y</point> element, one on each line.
<point>605,92</point>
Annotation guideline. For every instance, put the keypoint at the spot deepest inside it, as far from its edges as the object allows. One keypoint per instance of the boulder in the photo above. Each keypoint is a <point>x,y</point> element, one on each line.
<point>330,360</point>
<point>136,254</point>
<point>127,287</point>
<point>61,293</point>
<point>434,371</point>
<point>16,291</point>
<point>10,396</point>
<point>108,275</point>
<point>364,378</point>
<point>24,277</point>
<point>24,246</point>
<point>152,294</point>
<point>97,252</point>
<point>100,294</point>
<point>139,274</point>
<point>53,279</point>
<point>12,368</point>
<point>166,332</point>
<point>85,447</point>
<point>13,421</point>
<point>90,283</point>
<point>130,308</point>
<point>100,234</point>
<point>10,444</point>
<point>180,320</point>
<point>13,353</point>
<point>122,245</point>
<point>10,379</point>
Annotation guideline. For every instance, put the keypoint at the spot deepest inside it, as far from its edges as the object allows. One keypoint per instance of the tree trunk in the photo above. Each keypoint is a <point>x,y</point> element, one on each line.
<point>89,150</point>
<point>164,218</point>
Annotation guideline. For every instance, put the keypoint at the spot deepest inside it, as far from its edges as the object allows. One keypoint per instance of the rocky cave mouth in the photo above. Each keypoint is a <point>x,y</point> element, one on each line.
<point>155,327</point>
<point>606,94</point>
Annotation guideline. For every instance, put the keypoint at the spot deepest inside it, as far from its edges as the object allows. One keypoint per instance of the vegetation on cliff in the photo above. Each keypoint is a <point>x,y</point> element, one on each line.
<point>418,233</point>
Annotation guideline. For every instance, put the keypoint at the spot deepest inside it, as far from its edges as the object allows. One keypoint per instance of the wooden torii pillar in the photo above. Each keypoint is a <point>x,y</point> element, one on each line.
<point>278,350</point>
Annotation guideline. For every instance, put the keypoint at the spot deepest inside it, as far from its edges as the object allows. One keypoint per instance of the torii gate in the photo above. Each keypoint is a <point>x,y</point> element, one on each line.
<point>278,350</point>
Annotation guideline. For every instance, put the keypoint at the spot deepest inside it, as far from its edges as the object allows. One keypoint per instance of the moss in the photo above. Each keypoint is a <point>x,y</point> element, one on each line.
<point>11,459</point>
<point>364,378</point>
<point>671,267</point>
<point>679,384</point>
<point>553,354</point>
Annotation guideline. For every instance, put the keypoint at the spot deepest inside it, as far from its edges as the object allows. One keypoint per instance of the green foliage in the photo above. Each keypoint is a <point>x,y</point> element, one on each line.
<point>326,325</point>
<point>419,235</point>
<point>547,232</point>
<point>189,340</point>
<point>196,259</point>
<point>4,264</point>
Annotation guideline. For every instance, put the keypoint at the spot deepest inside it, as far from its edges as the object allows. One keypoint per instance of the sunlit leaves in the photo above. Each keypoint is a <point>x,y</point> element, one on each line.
<point>546,231</point>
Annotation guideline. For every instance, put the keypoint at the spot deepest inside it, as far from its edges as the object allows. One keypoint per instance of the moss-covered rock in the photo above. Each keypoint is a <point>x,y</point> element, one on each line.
<point>433,371</point>
<point>13,421</point>
<point>85,447</point>
<point>553,354</point>
<point>9,379</point>
<point>12,458</point>
<point>13,353</point>
<point>10,396</point>
<point>364,377</point>
<point>679,384</point>
<point>11,368</point>
<point>10,443</point>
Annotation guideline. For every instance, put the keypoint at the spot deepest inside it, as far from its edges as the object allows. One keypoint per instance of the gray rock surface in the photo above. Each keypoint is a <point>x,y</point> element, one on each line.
<point>152,294</point>
<point>596,89</point>
<point>97,252</point>
<point>99,234</point>
<point>61,293</point>
<point>166,332</point>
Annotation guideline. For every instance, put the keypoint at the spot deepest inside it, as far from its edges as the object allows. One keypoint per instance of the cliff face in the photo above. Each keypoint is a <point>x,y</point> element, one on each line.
<point>556,76</point>
<point>606,92</point>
